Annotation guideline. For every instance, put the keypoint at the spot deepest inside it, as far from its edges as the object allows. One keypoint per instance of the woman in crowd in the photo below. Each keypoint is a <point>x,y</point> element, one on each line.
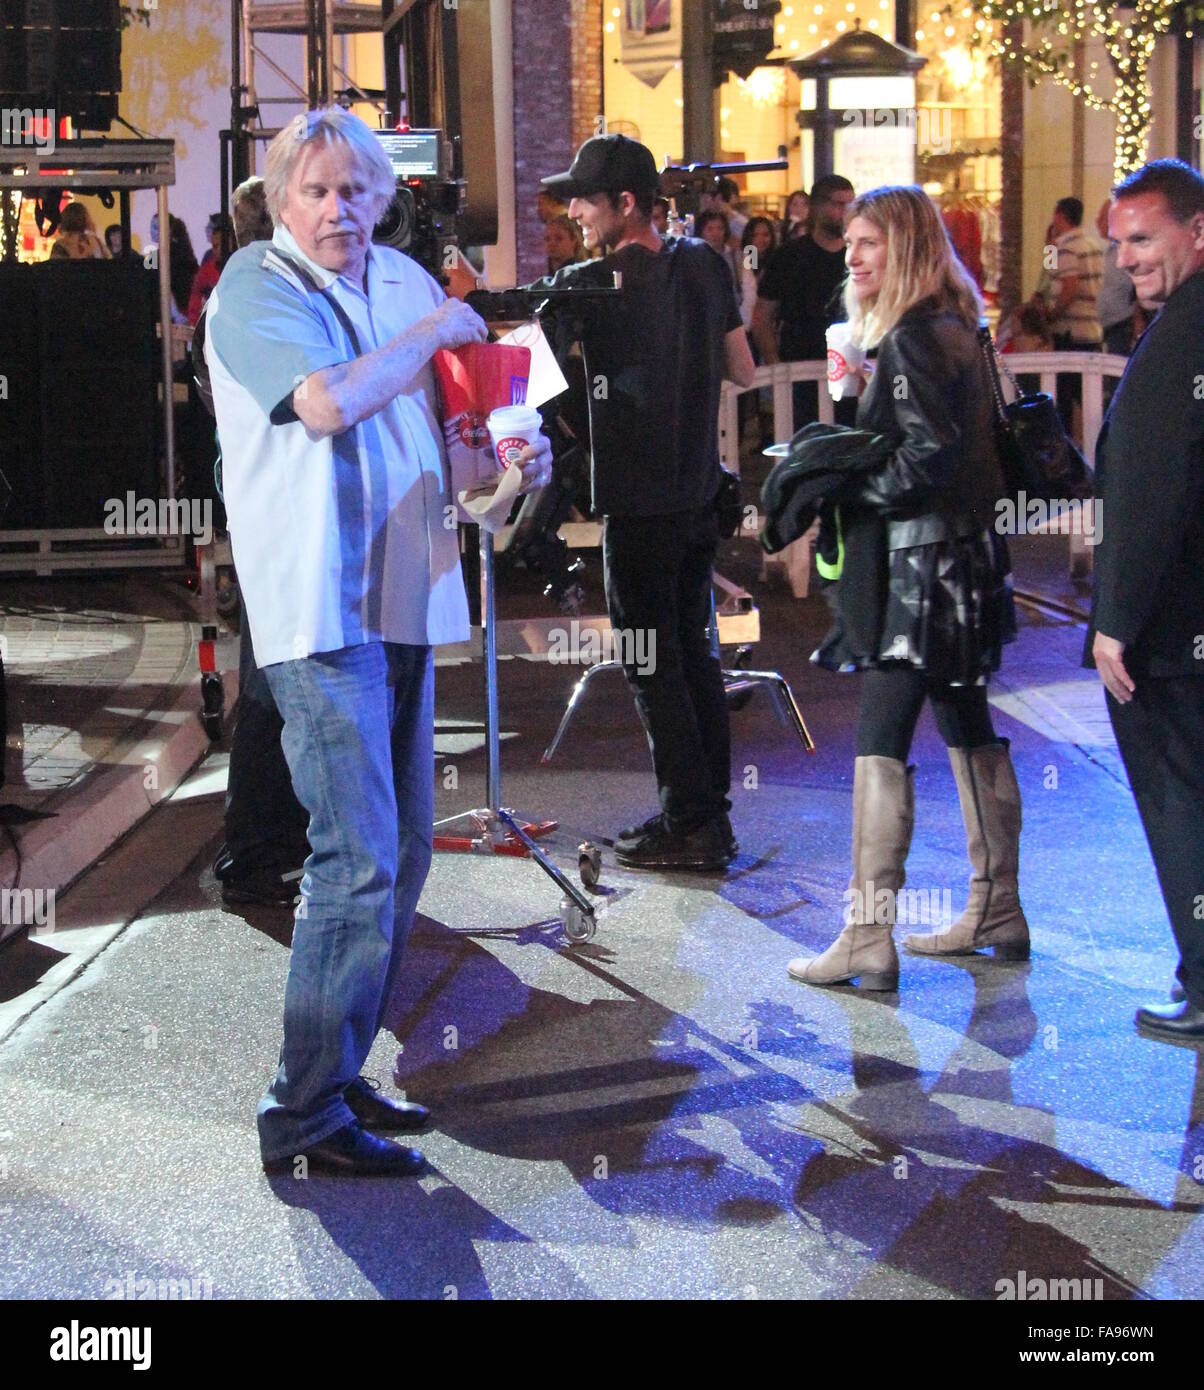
<point>77,239</point>
<point>563,242</point>
<point>757,245</point>
<point>761,236</point>
<point>183,264</point>
<point>220,231</point>
<point>797,221</point>
<point>712,226</point>
<point>924,600</point>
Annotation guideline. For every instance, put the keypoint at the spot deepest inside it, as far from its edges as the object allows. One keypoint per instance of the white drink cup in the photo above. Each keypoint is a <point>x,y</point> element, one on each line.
<point>845,360</point>
<point>511,429</point>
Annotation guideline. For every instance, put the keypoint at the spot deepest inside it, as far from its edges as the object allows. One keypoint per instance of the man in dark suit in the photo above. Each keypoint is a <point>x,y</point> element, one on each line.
<point>1147,628</point>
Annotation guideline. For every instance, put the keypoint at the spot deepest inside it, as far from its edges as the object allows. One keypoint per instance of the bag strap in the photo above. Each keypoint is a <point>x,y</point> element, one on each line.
<point>993,364</point>
<point>312,285</point>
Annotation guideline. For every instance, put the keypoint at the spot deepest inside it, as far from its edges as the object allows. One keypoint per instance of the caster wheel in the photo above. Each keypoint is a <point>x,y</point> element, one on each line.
<point>589,864</point>
<point>226,597</point>
<point>213,726</point>
<point>578,926</point>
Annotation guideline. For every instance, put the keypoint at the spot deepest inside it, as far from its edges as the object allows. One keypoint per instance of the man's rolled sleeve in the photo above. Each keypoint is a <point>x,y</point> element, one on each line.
<point>269,336</point>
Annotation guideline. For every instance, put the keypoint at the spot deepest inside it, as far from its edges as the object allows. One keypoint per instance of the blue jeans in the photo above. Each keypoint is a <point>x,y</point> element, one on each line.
<point>359,739</point>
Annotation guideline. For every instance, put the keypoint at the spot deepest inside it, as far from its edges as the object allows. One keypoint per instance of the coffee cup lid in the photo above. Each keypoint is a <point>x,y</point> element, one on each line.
<point>508,416</point>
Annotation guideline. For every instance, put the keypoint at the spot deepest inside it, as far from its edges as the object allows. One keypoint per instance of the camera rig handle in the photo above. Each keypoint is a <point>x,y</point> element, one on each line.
<point>517,305</point>
<point>686,183</point>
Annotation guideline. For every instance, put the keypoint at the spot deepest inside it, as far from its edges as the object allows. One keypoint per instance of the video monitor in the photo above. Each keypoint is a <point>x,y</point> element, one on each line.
<point>414,154</point>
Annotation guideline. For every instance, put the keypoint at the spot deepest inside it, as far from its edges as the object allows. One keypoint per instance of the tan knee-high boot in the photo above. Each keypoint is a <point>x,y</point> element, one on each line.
<point>883,816</point>
<point>990,801</point>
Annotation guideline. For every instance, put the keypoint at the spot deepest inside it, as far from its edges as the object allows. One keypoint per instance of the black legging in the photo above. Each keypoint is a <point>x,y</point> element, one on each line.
<point>891,700</point>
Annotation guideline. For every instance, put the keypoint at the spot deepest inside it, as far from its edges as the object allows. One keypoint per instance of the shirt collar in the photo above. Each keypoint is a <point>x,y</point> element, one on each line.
<point>284,241</point>
<point>379,267</point>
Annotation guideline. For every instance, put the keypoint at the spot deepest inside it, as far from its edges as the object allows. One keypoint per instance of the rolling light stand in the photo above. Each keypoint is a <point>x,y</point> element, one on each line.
<point>494,829</point>
<point>738,684</point>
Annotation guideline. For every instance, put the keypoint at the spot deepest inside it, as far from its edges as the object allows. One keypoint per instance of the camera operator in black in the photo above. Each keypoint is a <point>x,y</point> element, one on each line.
<point>655,359</point>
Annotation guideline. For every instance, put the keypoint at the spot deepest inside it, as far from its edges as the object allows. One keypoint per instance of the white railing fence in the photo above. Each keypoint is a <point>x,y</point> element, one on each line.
<point>795,560</point>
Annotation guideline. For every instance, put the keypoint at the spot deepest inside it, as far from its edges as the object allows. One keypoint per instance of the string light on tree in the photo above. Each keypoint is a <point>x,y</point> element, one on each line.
<point>1128,41</point>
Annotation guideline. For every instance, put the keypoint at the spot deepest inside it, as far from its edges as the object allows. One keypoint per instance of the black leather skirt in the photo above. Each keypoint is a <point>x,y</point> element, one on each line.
<point>948,610</point>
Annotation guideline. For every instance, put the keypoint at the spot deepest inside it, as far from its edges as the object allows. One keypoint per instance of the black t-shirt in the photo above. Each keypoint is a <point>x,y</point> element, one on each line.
<point>654,365</point>
<point>804,280</point>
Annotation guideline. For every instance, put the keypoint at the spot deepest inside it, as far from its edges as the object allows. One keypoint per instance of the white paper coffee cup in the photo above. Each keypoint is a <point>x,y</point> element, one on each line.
<point>845,360</point>
<point>511,429</point>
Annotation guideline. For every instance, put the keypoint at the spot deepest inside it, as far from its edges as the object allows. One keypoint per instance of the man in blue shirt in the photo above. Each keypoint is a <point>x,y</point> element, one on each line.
<point>342,524</point>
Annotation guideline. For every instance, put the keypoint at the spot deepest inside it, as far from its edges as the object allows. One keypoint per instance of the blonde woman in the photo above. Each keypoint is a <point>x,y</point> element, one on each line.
<point>924,600</point>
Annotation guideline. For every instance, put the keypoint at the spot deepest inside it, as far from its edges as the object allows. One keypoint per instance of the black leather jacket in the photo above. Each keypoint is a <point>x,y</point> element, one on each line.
<point>930,386</point>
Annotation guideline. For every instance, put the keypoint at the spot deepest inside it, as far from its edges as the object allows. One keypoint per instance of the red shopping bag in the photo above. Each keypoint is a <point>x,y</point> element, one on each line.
<point>474,380</point>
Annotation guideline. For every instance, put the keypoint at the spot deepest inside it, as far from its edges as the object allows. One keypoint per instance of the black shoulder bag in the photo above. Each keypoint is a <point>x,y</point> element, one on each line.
<point>1038,457</point>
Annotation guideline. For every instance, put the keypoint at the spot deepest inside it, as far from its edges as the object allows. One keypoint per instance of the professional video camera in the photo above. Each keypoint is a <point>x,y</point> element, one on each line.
<point>423,219</point>
<point>686,183</point>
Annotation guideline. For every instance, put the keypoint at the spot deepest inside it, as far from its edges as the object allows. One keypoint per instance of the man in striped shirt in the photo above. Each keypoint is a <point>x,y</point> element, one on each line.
<point>1076,285</point>
<point>1076,281</point>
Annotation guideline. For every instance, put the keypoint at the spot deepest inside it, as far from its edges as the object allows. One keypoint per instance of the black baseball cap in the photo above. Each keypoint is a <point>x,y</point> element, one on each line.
<point>611,164</point>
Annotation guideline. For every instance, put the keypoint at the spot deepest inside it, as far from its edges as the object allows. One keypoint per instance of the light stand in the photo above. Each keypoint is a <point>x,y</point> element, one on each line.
<point>494,829</point>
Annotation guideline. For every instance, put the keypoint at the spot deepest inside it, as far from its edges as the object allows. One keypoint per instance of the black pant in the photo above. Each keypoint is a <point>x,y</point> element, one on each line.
<point>1160,733</point>
<point>891,700</point>
<point>1118,337</point>
<point>658,584</point>
<point>265,823</point>
<point>1070,387</point>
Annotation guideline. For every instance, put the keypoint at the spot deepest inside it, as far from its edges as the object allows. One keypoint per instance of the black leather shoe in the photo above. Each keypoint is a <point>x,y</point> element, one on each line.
<point>375,1111</point>
<point>259,892</point>
<point>1182,1023</point>
<point>655,823</point>
<point>1178,993</point>
<point>707,847</point>
<point>351,1152</point>
<point>635,832</point>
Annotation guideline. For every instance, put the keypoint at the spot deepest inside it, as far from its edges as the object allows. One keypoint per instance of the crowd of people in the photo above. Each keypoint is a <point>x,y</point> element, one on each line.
<point>318,347</point>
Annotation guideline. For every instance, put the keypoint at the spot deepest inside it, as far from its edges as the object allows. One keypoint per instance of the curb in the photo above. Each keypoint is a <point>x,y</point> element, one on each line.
<point>58,850</point>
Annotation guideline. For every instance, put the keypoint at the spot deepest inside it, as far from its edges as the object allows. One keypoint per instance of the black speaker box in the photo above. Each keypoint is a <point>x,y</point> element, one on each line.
<point>19,444</point>
<point>84,423</point>
<point>60,54</point>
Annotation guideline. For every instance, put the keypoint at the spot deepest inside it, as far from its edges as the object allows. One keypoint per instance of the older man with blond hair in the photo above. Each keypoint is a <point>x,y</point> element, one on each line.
<point>342,524</point>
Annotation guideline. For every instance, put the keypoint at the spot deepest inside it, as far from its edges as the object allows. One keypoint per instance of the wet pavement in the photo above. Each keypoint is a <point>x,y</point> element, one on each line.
<point>661,1112</point>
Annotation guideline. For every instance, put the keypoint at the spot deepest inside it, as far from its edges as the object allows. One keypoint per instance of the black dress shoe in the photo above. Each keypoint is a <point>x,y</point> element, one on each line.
<point>260,891</point>
<point>351,1152</point>
<point>626,837</point>
<point>1172,1022</point>
<point>375,1111</point>
<point>634,832</point>
<point>706,847</point>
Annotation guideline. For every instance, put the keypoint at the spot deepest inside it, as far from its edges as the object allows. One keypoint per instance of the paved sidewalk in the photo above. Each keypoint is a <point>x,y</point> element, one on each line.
<point>103,690</point>
<point>661,1113</point>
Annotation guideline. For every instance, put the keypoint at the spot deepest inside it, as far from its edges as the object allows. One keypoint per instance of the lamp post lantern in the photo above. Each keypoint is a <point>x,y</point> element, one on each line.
<point>859,107</point>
